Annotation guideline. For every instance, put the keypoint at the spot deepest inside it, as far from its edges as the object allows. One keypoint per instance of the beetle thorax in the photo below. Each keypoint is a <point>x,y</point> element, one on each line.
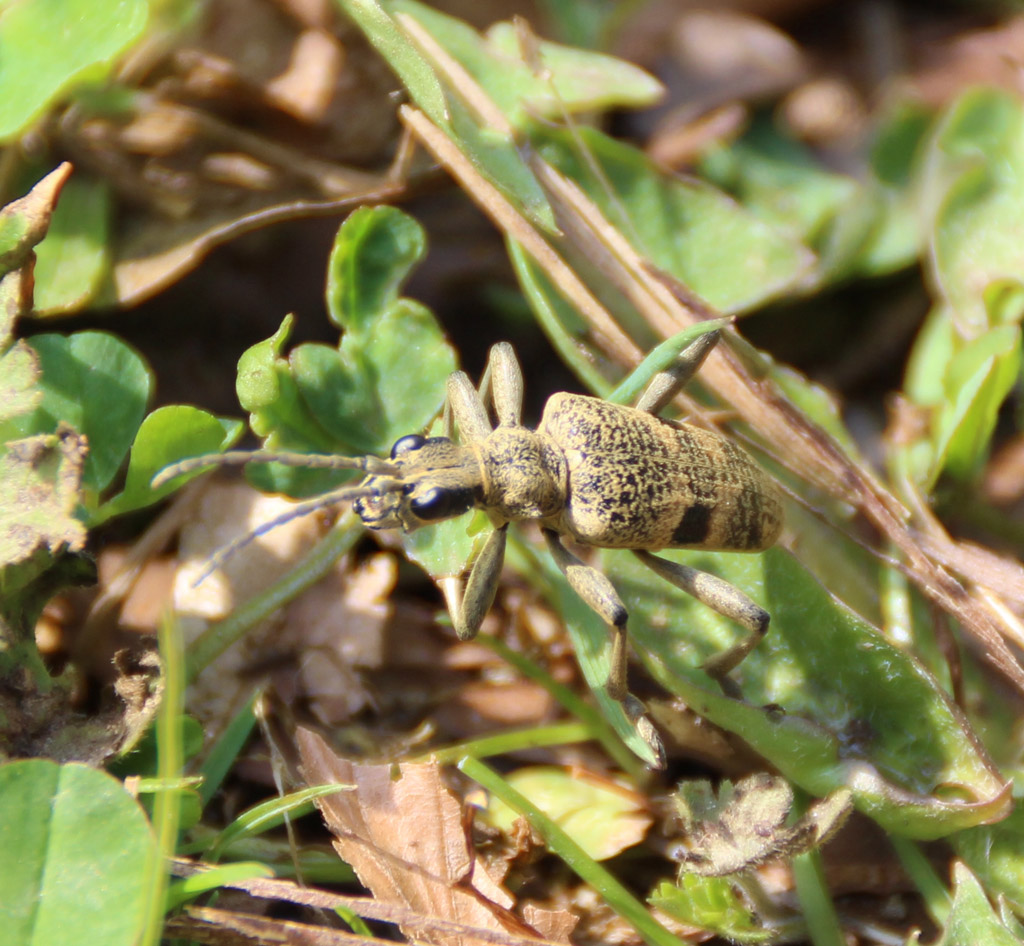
<point>524,474</point>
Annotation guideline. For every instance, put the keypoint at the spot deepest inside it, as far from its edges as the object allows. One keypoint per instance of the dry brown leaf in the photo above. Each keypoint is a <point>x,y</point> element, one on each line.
<point>404,834</point>
<point>338,628</point>
<point>224,511</point>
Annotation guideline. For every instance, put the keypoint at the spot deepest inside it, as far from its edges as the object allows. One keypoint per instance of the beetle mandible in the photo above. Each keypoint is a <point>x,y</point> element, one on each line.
<point>597,473</point>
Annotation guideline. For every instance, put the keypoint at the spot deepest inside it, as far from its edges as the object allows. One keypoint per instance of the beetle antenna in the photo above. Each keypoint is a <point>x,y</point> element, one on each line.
<point>311,461</point>
<point>334,497</point>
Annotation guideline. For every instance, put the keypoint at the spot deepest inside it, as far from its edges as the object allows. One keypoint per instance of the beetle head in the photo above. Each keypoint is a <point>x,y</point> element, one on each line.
<point>437,479</point>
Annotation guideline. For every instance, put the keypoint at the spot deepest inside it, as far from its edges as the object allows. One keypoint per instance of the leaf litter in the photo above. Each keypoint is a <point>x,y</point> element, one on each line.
<point>405,834</point>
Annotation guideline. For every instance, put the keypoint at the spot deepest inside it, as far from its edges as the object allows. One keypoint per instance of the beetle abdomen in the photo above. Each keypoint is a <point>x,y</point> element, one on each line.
<point>637,481</point>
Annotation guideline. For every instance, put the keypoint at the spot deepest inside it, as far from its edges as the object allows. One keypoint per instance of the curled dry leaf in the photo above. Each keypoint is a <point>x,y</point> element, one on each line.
<point>404,833</point>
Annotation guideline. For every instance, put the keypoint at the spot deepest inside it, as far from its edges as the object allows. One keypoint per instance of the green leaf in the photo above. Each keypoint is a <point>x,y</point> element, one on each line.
<point>97,384</point>
<point>493,150</point>
<point>78,853</point>
<point>929,359</point>
<point>567,80</point>
<point>49,46</point>
<point>996,855</point>
<point>602,817</point>
<point>19,375</point>
<point>972,920</point>
<point>899,142</point>
<point>375,251</point>
<point>855,227</point>
<point>853,710</point>
<point>167,435</point>
<point>561,843</point>
<point>386,378</point>
<point>721,251</point>
<point>974,187</point>
<point>73,259</point>
<point>713,903</point>
<point>978,379</point>
<point>408,63</point>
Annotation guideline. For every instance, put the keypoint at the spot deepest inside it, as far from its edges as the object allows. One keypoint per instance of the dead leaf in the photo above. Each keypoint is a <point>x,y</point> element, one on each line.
<point>338,627</point>
<point>287,891</point>
<point>744,826</point>
<point>39,482</point>
<point>224,512</point>
<point>404,834</point>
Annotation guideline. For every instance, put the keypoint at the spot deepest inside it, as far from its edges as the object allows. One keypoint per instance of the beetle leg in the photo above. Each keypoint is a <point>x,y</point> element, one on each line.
<point>666,384</point>
<point>465,408</point>
<point>720,596</point>
<point>600,595</point>
<point>469,607</point>
<point>503,382</point>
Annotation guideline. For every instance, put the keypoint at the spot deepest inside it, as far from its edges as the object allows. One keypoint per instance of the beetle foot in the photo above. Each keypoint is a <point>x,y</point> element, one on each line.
<point>636,712</point>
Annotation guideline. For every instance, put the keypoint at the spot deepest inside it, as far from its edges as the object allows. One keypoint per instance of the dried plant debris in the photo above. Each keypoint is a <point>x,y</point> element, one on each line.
<point>405,834</point>
<point>744,826</point>
<point>39,482</point>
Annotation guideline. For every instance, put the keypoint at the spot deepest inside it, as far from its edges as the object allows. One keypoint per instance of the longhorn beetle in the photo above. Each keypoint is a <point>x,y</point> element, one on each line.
<point>595,472</point>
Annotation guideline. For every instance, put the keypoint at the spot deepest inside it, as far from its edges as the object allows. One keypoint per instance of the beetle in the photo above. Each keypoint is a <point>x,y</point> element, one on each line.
<point>597,473</point>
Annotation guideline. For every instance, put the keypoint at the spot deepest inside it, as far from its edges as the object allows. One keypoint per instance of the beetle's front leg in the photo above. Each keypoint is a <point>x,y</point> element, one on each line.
<point>469,607</point>
<point>720,596</point>
<point>600,595</point>
<point>503,384</point>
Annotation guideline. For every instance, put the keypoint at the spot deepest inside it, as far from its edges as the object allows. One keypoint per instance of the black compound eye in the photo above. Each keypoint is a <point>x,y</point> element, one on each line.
<point>407,443</point>
<point>437,503</point>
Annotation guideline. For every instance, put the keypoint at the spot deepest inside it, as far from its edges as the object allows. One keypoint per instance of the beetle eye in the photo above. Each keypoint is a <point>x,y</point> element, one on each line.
<point>407,443</point>
<point>437,503</point>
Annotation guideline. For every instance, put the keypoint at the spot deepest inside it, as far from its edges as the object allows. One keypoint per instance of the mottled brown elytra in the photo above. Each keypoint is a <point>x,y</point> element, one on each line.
<point>595,472</point>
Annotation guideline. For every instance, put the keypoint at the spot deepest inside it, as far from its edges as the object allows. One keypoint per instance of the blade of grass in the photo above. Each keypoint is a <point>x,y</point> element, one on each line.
<point>170,761</point>
<point>182,891</point>
<point>610,889</point>
<point>816,901</point>
<point>514,740</point>
<point>224,752</point>
<point>271,814</point>
<point>659,359</point>
<point>937,899</point>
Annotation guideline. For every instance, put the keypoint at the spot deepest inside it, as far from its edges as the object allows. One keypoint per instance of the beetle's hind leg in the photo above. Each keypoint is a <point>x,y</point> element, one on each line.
<point>600,595</point>
<point>722,597</point>
<point>666,384</point>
